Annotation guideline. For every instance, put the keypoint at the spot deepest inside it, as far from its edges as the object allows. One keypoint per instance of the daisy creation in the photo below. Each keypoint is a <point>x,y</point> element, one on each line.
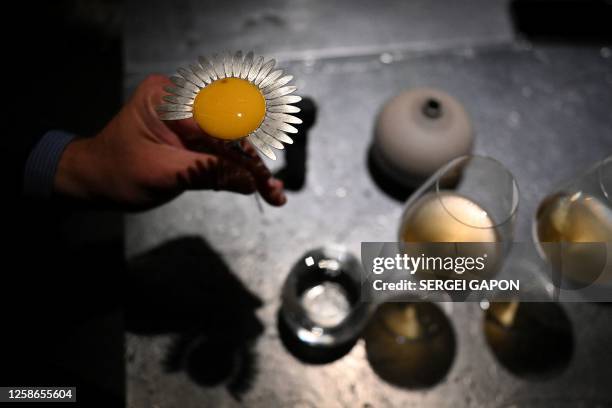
<point>235,97</point>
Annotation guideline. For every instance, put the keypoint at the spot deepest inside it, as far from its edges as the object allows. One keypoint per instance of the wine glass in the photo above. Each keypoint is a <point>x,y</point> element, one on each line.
<point>572,230</point>
<point>571,227</point>
<point>471,200</point>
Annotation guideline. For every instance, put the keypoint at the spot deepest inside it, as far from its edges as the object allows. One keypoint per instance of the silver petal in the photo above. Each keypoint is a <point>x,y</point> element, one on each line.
<point>228,65</point>
<point>265,70</point>
<point>283,117</point>
<point>277,134</point>
<point>269,140</point>
<point>286,90</point>
<point>237,64</point>
<point>212,74</point>
<point>278,83</point>
<point>261,146</point>
<point>284,100</point>
<point>208,68</point>
<point>268,79</point>
<point>255,69</point>
<point>190,76</point>
<point>200,73</point>
<point>285,127</point>
<point>172,107</point>
<point>218,66</point>
<point>181,100</point>
<point>246,65</point>
<point>180,91</point>
<point>175,115</point>
<point>182,83</point>
<point>283,109</point>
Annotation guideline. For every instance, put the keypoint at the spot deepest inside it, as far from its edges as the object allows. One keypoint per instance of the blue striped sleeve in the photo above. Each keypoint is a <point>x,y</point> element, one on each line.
<point>41,164</point>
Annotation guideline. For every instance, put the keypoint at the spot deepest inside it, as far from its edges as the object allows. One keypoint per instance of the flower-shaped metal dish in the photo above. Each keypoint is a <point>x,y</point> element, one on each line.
<point>235,97</point>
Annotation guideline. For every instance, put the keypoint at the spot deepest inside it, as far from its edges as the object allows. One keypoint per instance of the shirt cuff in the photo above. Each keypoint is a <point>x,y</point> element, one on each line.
<point>41,164</point>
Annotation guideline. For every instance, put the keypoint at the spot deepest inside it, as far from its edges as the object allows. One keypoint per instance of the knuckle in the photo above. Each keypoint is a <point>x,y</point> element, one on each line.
<point>154,79</point>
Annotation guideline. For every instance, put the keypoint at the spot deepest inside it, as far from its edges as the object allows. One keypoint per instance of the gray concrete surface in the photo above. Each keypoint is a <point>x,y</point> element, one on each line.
<point>543,111</point>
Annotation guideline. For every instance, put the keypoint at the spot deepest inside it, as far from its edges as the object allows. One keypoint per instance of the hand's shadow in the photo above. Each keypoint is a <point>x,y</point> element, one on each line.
<point>293,174</point>
<point>184,287</point>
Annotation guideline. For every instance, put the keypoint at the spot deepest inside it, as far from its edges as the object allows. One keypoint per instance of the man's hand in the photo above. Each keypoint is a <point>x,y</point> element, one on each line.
<point>138,161</point>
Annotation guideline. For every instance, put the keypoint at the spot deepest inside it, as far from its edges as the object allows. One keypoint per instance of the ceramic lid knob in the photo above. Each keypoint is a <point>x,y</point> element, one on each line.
<point>418,131</point>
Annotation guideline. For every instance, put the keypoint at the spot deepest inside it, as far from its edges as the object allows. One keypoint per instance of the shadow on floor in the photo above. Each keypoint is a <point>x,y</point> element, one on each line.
<point>184,287</point>
<point>534,341</point>
<point>410,345</point>
<point>385,183</point>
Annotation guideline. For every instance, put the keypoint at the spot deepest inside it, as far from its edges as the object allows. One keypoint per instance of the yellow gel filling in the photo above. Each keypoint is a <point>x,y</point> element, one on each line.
<point>229,108</point>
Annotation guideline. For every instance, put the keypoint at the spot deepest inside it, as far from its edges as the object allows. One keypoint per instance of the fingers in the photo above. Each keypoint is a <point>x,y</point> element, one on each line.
<point>233,177</point>
<point>196,171</point>
<point>201,171</point>
<point>272,190</point>
<point>249,149</point>
<point>230,177</point>
<point>247,158</point>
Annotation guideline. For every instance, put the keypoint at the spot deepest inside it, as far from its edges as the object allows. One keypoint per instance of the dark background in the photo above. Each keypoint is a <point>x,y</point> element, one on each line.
<point>195,284</point>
